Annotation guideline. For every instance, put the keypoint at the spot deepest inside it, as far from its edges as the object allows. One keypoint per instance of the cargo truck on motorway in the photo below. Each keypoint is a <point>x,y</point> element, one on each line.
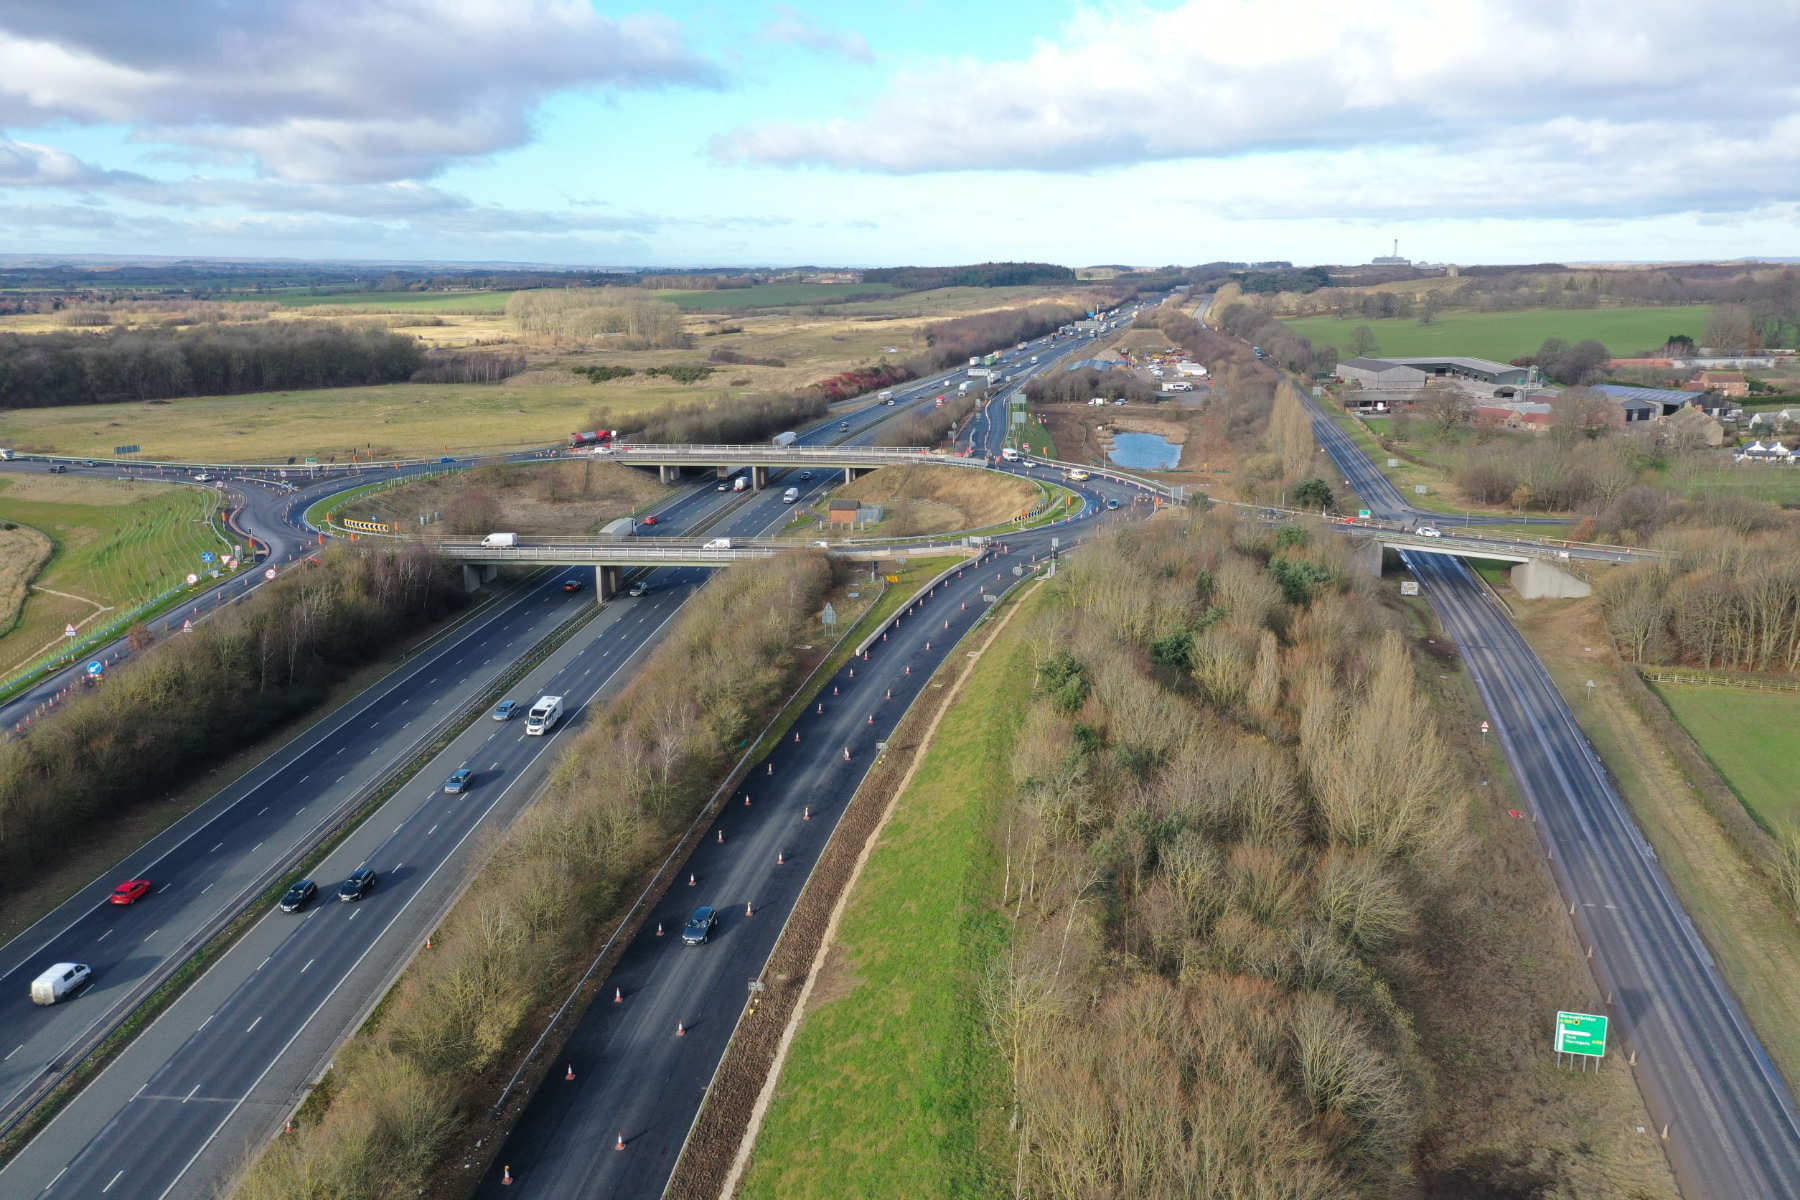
<point>544,715</point>
<point>785,439</point>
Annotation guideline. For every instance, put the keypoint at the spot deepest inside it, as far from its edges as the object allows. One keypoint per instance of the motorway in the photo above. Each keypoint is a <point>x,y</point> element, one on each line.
<point>634,1077</point>
<point>1732,1121</point>
<point>197,1086</point>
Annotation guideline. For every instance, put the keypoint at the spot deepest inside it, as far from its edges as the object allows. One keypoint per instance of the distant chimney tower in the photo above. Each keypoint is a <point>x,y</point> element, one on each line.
<point>1390,260</point>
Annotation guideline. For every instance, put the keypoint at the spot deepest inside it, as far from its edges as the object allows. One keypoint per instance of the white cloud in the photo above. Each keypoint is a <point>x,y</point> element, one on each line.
<point>792,28</point>
<point>27,164</point>
<point>327,90</point>
<point>1497,106</point>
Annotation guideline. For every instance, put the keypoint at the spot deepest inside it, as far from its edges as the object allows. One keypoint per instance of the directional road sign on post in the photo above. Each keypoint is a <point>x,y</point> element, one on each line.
<point>1581,1033</point>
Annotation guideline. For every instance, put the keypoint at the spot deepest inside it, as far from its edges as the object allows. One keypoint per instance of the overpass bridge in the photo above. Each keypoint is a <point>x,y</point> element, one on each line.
<point>611,559</point>
<point>670,459</point>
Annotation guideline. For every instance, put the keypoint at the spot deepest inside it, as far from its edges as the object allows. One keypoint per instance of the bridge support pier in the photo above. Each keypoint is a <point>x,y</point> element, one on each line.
<point>606,582</point>
<point>1365,556</point>
<point>666,474</point>
<point>1539,580</point>
<point>476,574</point>
<point>759,478</point>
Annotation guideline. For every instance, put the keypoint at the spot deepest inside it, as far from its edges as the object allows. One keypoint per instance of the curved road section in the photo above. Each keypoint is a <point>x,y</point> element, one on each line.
<point>1732,1123</point>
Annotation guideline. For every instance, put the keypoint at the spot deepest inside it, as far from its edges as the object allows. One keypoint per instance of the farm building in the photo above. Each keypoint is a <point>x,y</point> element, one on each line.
<point>1482,370</point>
<point>1380,373</point>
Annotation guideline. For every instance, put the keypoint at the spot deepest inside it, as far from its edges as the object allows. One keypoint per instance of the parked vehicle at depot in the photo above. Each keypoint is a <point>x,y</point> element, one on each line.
<point>543,715</point>
<point>299,895</point>
<point>60,982</point>
<point>131,891</point>
<point>358,885</point>
<point>700,926</point>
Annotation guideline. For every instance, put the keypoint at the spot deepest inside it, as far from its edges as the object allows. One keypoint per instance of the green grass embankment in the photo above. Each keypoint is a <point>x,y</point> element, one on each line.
<point>896,1027</point>
<point>1503,336</point>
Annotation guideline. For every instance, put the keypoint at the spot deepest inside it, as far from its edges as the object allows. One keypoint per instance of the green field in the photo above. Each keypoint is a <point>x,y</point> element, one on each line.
<point>1749,738</point>
<point>772,295</point>
<point>1777,485</point>
<point>117,544</point>
<point>893,1087</point>
<point>462,302</point>
<point>1508,335</point>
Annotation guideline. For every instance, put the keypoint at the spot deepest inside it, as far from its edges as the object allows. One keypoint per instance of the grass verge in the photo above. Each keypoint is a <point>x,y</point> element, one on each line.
<point>894,1019</point>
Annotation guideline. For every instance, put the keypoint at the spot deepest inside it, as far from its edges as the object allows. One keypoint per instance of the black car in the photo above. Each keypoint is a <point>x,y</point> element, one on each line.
<point>700,926</point>
<point>299,896</point>
<point>60,469</point>
<point>571,585</point>
<point>358,885</point>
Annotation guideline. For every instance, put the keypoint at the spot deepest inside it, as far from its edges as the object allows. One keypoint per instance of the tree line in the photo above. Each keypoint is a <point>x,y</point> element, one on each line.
<point>180,705</point>
<point>1229,805</point>
<point>1717,599</point>
<point>988,274</point>
<point>961,338</point>
<point>550,886</point>
<point>1086,383</point>
<point>631,318</point>
<point>53,369</point>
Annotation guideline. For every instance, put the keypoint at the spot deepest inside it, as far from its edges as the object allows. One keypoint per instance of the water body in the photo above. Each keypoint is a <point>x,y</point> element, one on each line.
<point>1145,451</point>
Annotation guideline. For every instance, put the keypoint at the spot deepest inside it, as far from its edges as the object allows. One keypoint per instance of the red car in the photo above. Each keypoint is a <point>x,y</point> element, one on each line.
<point>131,890</point>
<point>650,520</point>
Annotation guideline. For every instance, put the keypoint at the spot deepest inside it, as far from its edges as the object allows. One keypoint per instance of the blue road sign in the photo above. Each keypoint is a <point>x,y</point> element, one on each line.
<point>206,556</point>
<point>95,667</point>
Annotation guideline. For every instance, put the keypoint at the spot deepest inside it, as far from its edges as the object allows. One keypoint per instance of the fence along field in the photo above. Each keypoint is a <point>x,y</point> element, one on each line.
<point>117,544</point>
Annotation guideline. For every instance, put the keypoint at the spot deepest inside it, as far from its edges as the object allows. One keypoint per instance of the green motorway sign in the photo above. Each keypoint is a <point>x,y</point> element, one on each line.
<point>1580,1033</point>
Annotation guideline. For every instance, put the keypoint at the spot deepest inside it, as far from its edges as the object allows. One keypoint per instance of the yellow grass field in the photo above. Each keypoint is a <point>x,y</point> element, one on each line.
<point>542,406</point>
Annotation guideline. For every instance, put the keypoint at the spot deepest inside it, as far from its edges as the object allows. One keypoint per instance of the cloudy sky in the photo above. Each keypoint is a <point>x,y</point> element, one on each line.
<point>907,131</point>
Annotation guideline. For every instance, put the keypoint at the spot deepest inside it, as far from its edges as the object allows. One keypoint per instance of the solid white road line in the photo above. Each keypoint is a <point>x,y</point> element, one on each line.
<point>104,936</point>
<point>110,1182</point>
<point>253,1025</point>
<point>309,962</point>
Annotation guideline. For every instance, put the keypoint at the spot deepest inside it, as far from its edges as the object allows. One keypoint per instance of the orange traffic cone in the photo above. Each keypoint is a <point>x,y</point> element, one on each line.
<point>428,941</point>
<point>771,768</point>
<point>749,909</point>
<point>618,998</point>
<point>680,1029</point>
<point>806,813</point>
<point>691,880</point>
<point>721,837</point>
<point>569,1075</point>
<point>853,669</point>
<point>821,708</point>
<point>890,693</point>
<point>780,859</point>
<point>927,645</point>
<point>846,754</point>
<point>746,799</point>
<point>796,735</point>
<point>506,1175</point>
<point>288,1126</point>
<point>909,668</point>
<point>659,929</point>
<point>620,1144</point>
<point>834,689</point>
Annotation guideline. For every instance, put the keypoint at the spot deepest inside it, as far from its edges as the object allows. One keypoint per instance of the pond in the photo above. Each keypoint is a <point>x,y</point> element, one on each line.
<point>1145,451</point>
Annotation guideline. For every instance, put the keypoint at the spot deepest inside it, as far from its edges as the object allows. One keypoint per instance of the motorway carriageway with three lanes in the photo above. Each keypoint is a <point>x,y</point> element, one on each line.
<point>1733,1129</point>
<point>91,1134</point>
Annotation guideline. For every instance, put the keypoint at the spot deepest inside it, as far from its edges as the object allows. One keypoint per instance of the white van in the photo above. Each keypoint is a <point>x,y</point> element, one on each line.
<point>1009,454</point>
<point>60,982</point>
<point>718,544</point>
<point>790,496</point>
<point>494,540</point>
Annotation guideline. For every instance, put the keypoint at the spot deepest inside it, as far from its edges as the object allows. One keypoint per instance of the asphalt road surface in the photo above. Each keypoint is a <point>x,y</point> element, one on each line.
<point>1733,1126</point>
<point>158,1109</point>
